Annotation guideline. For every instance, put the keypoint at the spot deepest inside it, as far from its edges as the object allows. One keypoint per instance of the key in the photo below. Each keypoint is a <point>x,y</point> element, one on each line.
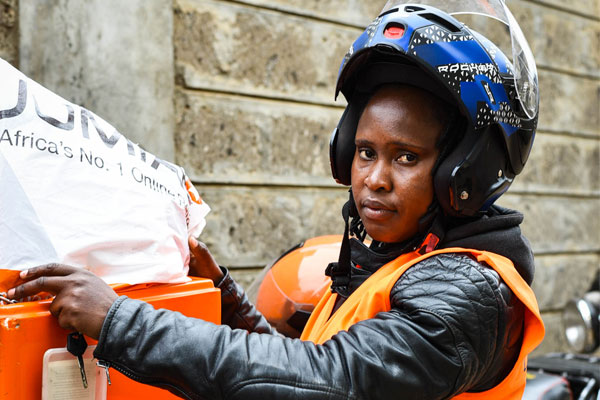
<point>6,299</point>
<point>76,345</point>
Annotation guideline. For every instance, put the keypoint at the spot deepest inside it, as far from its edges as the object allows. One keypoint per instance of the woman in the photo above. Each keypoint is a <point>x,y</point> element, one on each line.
<point>439,305</point>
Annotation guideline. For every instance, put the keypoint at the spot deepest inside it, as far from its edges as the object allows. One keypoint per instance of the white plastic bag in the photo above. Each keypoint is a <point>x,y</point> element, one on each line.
<point>73,190</point>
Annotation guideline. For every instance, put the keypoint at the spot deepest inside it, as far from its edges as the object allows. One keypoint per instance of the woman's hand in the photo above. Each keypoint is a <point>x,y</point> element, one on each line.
<point>202,263</point>
<point>82,299</point>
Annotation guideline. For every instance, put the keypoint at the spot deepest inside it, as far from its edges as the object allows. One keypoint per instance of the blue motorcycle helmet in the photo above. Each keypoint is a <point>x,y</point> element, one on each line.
<point>424,44</point>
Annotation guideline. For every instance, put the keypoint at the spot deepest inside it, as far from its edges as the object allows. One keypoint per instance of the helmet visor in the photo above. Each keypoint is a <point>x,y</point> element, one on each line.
<point>484,16</point>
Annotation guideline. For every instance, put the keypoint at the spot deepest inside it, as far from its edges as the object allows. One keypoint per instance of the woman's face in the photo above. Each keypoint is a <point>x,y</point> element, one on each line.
<point>395,153</point>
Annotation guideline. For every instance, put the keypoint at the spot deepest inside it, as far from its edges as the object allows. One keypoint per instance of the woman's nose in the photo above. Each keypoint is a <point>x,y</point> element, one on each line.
<point>379,177</point>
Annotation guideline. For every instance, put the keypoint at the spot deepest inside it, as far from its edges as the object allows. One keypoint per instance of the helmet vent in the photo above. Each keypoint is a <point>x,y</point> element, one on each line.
<point>413,8</point>
<point>393,10</point>
<point>394,31</point>
<point>440,21</point>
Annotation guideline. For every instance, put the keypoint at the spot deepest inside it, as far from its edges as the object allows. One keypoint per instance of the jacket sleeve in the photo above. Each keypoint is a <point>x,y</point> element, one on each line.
<point>237,311</point>
<point>431,345</point>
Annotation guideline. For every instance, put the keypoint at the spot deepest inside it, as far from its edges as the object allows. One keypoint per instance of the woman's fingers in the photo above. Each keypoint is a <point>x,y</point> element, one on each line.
<point>82,299</point>
<point>48,270</point>
<point>44,278</point>
<point>202,263</point>
<point>193,243</point>
<point>42,284</point>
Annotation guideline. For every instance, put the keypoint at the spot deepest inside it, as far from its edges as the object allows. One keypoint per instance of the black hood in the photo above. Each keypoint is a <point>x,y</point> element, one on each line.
<point>498,232</point>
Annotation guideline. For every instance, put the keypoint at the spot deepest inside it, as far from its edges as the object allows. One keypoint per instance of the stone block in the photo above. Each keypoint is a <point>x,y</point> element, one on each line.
<point>561,278</point>
<point>251,226</point>
<point>573,50</point>
<point>284,56</point>
<point>589,8</point>
<point>9,31</point>
<point>558,39</point>
<point>112,57</point>
<point>558,224</point>
<point>245,276</point>
<point>225,46</point>
<point>569,103</point>
<point>554,340</point>
<point>355,12</point>
<point>567,164</point>
<point>222,138</point>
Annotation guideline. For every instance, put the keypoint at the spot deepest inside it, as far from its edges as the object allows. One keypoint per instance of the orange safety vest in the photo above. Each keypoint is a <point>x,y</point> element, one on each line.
<point>373,296</point>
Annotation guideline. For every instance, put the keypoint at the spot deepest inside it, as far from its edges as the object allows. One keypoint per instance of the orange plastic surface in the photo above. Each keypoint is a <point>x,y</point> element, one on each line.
<point>300,275</point>
<point>27,330</point>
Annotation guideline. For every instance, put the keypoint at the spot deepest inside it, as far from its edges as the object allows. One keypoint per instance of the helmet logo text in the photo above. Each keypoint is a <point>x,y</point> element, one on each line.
<point>488,91</point>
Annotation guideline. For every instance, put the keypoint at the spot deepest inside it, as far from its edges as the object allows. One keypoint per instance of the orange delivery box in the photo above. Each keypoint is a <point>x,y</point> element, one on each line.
<point>34,363</point>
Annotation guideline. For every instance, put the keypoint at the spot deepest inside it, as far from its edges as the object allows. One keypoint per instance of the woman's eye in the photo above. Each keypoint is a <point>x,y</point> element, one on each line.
<point>366,154</point>
<point>407,158</point>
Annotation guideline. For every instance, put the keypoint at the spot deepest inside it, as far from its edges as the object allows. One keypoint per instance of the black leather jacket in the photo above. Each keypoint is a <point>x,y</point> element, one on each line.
<point>454,326</point>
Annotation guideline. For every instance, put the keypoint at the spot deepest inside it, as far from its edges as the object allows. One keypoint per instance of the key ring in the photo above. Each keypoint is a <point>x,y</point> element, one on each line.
<point>6,299</point>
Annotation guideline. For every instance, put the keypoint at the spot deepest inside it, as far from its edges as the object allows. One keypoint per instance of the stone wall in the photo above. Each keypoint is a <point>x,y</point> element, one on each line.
<point>251,90</point>
<point>559,189</point>
<point>9,31</point>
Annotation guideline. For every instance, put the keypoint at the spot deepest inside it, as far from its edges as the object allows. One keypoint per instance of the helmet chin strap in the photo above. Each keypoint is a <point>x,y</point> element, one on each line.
<point>431,232</point>
<point>339,272</point>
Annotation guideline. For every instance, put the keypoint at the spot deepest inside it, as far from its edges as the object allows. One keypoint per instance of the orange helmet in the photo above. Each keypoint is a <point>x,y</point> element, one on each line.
<point>287,291</point>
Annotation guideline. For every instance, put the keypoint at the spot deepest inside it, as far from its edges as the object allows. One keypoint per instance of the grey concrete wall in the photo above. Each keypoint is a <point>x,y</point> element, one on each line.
<point>243,92</point>
<point>113,57</point>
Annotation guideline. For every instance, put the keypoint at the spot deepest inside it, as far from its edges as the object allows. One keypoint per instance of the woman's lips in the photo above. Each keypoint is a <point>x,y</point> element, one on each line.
<point>376,210</point>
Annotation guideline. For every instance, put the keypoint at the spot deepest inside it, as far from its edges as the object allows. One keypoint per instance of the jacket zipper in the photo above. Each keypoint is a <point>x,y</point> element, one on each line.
<point>106,365</point>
